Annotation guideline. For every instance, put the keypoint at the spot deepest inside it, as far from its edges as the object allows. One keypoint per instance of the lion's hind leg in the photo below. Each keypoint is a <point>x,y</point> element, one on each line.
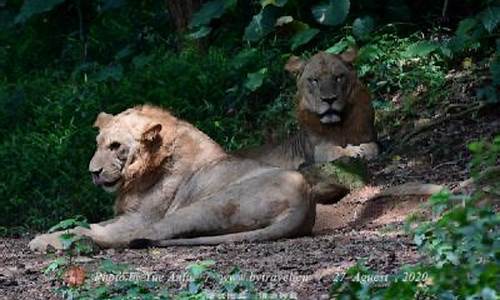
<point>270,205</point>
<point>284,228</point>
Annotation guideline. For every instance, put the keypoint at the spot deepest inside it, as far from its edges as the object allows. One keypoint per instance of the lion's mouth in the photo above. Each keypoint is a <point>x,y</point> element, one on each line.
<point>111,184</point>
<point>99,181</point>
<point>330,116</point>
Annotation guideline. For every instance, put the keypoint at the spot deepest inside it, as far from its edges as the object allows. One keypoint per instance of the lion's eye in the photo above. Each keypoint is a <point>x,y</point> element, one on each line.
<point>114,146</point>
<point>313,81</point>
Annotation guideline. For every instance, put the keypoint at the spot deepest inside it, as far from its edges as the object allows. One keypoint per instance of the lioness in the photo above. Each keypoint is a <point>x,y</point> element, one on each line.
<point>334,112</point>
<point>176,186</point>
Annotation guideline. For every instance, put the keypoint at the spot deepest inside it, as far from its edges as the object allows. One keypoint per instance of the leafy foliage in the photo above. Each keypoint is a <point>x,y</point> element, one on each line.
<point>331,12</point>
<point>362,27</point>
<point>34,7</point>
<point>420,49</point>
<point>303,37</point>
<point>261,25</point>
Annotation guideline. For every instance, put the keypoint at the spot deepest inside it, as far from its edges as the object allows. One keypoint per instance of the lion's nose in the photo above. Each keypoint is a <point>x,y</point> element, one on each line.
<point>329,99</point>
<point>96,173</point>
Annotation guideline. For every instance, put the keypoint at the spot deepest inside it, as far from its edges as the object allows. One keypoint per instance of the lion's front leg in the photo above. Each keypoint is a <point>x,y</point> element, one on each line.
<point>43,242</point>
<point>115,233</point>
<point>327,153</point>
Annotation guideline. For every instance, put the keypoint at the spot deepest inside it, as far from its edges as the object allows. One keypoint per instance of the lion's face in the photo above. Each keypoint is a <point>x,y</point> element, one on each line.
<point>325,84</point>
<point>127,144</point>
<point>115,148</point>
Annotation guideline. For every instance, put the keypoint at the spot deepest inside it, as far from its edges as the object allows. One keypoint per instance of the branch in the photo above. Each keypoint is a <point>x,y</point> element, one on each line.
<point>441,120</point>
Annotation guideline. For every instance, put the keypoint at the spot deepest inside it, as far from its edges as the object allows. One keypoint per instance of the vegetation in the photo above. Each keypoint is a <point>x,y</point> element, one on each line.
<point>461,241</point>
<point>64,61</point>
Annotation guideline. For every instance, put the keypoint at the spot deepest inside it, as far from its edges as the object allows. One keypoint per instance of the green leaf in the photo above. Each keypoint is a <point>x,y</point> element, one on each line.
<point>453,258</point>
<point>108,266</point>
<point>202,32</point>
<point>476,147</point>
<point>142,60</point>
<point>198,269</point>
<point>488,294</point>
<point>6,19</point>
<point>341,45</point>
<point>209,11</point>
<point>490,17</point>
<point>34,7</point>
<point>256,79</point>
<point>261,25</point>
<point>397,10</point>
<point>283,20</point>
<point>332,12</point>
<point>419,239</point>
<point>369,53</point>
<point>70,223</point>
<point>114,72</point>
<point>422,48</point>
<point>362,27</point>
<point>112,4</point>
<point>441,197</point>
<point>55,264</point>
<point>230,4</point>
<point>124,53</point>
<point>67,239</point>
<point>244,57</point>
<point>303,37</point>
<point>278,3</point>
<point>465,26</point>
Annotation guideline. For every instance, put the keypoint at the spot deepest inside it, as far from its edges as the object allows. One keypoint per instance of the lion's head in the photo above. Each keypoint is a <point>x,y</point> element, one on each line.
<point>325,83</point>
<point>332,102</point>
<point>130,146</point>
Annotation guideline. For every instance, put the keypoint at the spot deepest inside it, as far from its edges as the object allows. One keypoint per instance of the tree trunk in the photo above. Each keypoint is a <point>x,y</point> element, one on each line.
<point>181,11</point>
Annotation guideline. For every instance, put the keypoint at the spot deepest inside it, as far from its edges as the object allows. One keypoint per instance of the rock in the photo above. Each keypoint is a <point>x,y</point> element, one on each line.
<point>332,181</point>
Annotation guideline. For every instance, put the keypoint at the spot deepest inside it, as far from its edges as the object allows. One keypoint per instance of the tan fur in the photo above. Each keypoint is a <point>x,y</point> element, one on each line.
<point>177,186</point>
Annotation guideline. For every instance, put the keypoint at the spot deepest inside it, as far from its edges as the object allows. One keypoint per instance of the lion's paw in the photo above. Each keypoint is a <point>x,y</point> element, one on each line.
<point>43,242</point>
<point>353,151</point>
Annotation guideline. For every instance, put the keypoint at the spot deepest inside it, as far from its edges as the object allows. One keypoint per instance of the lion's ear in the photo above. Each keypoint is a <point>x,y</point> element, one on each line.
<point>295,65</point>
<point>102,120</point>
<point>151,133</point>
<point>349,55</point>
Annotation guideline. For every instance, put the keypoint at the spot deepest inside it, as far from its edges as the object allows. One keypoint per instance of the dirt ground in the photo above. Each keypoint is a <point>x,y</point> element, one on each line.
<point>304,266</point>
<point>347,231</point>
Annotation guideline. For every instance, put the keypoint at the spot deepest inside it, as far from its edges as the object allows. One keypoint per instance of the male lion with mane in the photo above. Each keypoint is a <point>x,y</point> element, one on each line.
<point>334,112</point>
<point>335,116</point>
<point>176,186</point>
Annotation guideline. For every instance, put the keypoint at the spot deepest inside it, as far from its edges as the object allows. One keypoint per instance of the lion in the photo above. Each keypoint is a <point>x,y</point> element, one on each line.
<point>335,116</point>
<point>176,186</point>
<point>334,113</point>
